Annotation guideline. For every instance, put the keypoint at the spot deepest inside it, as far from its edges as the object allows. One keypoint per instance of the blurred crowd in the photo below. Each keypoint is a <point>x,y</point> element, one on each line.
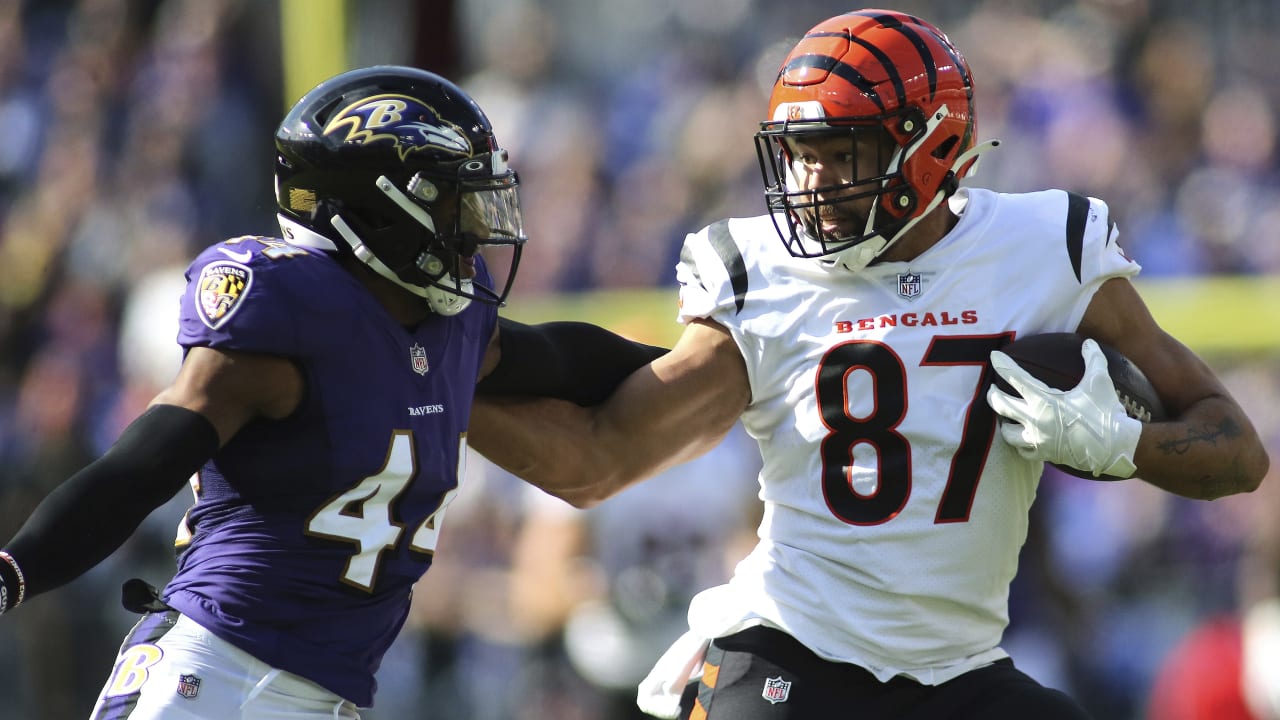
<point>135,132</point>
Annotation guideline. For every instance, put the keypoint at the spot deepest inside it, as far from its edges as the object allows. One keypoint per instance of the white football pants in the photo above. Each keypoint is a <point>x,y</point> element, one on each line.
<point>187,673</point>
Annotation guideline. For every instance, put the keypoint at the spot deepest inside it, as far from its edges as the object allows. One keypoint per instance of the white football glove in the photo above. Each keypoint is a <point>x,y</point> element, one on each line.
<point>1085,427</point>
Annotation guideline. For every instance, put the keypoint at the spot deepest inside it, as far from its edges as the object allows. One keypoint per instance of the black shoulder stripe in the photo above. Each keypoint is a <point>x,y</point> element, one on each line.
<point>686,257</point>
<point>731,256</point>
<point>1077,217</point>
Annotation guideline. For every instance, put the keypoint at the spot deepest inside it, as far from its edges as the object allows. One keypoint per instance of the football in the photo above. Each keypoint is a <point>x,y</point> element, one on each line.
<point>1055,360</point>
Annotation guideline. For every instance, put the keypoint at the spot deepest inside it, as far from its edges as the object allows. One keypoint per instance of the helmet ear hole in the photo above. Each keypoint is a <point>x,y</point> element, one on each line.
<point>945,147</point>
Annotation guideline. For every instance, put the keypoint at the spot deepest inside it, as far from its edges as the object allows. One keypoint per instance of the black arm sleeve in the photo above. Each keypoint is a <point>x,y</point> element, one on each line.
<point>89,516</point>
<point>575,361</point>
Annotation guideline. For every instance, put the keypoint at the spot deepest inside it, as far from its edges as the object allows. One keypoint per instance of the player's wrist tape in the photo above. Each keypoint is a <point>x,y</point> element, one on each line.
<point>13,584</point>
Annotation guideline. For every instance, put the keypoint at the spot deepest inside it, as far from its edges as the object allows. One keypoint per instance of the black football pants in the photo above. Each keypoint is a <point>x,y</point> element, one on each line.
<point>764,674</point>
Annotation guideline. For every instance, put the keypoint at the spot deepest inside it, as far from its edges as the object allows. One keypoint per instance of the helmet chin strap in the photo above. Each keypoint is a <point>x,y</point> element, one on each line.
<point>398,197</point>
<point>441,301</point>
<point>864,253</point>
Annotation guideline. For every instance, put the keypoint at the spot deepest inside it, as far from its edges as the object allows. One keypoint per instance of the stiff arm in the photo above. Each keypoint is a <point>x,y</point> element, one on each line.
<point>667,412</point>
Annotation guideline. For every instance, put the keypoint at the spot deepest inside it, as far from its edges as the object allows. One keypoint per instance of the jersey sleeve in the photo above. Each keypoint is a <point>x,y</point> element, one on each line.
<point>712,276</point>
<point>1103,257</point>
<point>1094,249</point>
<point>239,299</point>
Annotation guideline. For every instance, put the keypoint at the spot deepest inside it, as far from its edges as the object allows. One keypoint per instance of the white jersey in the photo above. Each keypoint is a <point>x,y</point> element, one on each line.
<point>893,512</point>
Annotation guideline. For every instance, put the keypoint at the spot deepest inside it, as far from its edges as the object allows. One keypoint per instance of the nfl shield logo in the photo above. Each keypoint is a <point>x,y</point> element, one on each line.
<point>188,686</point>
<point>776,690</point>
<point>909,285</point>
<point>418,355</point>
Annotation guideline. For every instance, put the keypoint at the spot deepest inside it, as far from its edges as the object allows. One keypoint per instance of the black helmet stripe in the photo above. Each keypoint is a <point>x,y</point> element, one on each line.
<point>839,69</point>
<point>926,57</point>
<point>894,76</point>
<point>957,61</point>
<point>930,65</point>
<point>950,50</point>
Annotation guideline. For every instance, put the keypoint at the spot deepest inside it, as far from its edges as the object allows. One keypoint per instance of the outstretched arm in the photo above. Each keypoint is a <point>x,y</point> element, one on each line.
<point>667,412</point>
<point>91,514</point>
<point>574,361</point>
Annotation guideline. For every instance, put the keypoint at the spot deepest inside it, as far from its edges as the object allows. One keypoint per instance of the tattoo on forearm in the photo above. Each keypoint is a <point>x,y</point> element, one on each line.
<point>1226,429</point>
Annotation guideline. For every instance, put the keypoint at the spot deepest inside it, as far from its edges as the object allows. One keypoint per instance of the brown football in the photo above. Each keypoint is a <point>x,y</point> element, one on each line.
<point>1055,360</point>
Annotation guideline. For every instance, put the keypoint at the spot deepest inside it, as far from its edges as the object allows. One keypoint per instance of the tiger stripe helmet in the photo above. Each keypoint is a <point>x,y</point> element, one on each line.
<point>870,70</point>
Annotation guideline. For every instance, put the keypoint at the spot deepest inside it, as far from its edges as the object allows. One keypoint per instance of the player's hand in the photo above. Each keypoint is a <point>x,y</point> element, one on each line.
<point>1085,427</point>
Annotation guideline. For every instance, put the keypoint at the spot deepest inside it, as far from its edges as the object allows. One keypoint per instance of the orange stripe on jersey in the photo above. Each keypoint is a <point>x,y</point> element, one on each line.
<point>699,712</point>
<point>710,673</point>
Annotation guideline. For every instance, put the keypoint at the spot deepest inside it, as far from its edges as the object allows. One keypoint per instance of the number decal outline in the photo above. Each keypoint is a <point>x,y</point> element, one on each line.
<point>364,515</point>
<point>879,428</point>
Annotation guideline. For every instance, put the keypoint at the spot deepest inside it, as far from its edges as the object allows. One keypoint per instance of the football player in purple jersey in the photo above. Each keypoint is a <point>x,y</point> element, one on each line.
<point>321,412</point>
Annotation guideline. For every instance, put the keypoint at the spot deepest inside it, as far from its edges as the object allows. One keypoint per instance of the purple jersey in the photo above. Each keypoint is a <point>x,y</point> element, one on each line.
<point>308,533</point>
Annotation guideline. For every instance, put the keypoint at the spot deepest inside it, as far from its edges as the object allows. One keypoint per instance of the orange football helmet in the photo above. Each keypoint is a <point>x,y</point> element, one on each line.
<point>869,71</point>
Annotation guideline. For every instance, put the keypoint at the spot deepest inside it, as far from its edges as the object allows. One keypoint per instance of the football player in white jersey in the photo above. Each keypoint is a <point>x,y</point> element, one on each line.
<point>860,352</point>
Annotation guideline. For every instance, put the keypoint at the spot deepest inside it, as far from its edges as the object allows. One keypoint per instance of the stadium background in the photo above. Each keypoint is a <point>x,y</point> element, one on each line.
<point>135,132</point>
